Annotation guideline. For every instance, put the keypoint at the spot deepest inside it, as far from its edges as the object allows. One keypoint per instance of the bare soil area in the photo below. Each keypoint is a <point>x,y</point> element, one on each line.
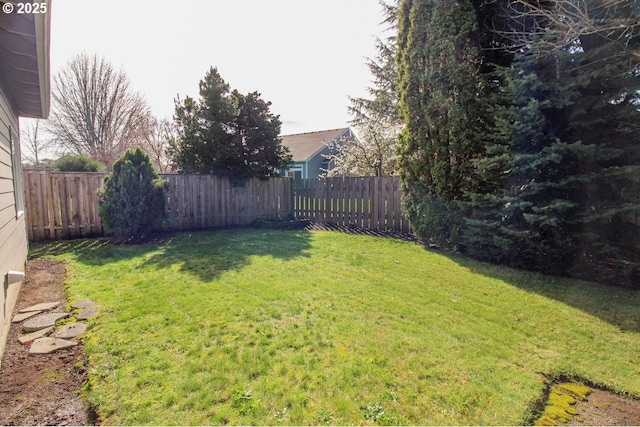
<point>42,389</point>
<point>603,408</point>
<point>45,389</point>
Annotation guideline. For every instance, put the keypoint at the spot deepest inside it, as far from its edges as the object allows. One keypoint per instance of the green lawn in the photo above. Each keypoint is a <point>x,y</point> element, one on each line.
<point>295,327</point>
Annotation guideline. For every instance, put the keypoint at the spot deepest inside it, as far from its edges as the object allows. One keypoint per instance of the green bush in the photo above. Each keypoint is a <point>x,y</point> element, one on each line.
<point>133,199</point>
<point>78,163</point>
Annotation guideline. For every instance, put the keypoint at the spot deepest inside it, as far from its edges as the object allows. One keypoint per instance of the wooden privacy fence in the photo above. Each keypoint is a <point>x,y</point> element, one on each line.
<point>64,205</point>
<point>206,201</point>
<point>61,205</point>
<point>366,202</point>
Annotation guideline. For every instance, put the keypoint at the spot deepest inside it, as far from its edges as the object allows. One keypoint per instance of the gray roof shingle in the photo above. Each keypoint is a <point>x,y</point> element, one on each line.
<point>303,146</point>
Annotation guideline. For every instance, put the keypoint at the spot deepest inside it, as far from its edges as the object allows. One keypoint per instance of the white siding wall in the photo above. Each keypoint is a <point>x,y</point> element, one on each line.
<point>13,238</point>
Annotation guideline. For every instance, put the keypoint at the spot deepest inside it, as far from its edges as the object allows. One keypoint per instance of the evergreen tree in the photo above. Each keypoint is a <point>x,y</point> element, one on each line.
<point>522,220</point>
<point>440,90</point>
<point>602,158</point>
<point>520,145</point>
<point>226,133</point>
<point>563,161</point>
<point>255,149</point>
<point>382,105</point>
<point>133,198</point>
<point>375,118</point>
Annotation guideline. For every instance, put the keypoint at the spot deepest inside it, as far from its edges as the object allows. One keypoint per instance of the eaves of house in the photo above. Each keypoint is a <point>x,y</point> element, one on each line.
<point>24,59</point>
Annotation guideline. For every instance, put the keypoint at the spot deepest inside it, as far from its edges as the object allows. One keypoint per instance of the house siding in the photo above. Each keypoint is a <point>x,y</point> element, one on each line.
<point>311,164</point>
<point>315,163</point>
<point>13,232</point>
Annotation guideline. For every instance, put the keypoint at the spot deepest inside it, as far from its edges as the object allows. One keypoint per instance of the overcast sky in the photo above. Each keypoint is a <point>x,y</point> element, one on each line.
<point>305,56</point>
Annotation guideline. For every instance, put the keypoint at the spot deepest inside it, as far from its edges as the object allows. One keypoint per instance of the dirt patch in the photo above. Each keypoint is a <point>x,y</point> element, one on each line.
<point>603,408</point>
<point>45,389</point>
<point>42,389</point>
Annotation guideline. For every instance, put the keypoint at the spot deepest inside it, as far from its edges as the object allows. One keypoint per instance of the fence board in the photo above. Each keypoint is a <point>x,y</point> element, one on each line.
<point>375,188</point>
<point>52,188</point>
<point>397,213</point>
<point>382,204</point>
<point>75,184</point>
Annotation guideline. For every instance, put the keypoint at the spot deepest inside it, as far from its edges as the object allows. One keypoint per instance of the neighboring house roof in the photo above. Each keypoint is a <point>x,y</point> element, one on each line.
<point>24,60</point>
<point>304,146</point>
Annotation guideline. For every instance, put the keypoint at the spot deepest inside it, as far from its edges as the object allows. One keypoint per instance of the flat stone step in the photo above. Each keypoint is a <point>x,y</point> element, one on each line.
<point>49,345</point>
<point>23,316</point>
<point>88,313</point>
<point>24,339</point>
<point>83,304</point>
<point>42,321</point>
<point>71,331</point>
<point>43,306</point>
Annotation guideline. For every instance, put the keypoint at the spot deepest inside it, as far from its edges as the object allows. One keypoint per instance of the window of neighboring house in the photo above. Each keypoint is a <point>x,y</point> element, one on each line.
<point>295,172</point>
<point>16,167</point>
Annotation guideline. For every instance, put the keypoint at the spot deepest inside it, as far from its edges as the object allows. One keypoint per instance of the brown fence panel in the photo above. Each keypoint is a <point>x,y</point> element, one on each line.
<point>205,201</point>
<point>64,205</point>
<point>61,205</point>
<point>366,202</point>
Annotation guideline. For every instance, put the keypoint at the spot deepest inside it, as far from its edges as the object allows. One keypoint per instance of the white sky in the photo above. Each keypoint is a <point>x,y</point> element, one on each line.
<point>305,56</point>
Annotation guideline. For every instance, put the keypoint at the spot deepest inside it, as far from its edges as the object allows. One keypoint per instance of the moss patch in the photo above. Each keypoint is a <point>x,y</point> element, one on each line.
<point>560,406</point>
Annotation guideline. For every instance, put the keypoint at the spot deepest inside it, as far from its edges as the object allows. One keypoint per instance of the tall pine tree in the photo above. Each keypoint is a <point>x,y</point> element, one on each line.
<point>522,220</point>
<point>563,160</point>
<point>521,146</point>
<point>226,133</point>
<point>440,90</point>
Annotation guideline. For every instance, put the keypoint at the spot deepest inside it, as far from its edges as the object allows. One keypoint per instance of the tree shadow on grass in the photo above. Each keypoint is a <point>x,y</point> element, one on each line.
<point>618,306</point>
<point>207,255</point>
<point>204,253</point>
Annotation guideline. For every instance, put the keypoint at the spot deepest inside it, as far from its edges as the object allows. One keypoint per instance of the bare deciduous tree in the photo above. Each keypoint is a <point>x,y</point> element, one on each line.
<point>156,142</point>
<point>550,26</point>
<point>33,141</point>
<point>95,112</point>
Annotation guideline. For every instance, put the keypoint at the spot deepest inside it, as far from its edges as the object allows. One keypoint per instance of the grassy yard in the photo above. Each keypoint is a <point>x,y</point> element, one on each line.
<point>293,327</point>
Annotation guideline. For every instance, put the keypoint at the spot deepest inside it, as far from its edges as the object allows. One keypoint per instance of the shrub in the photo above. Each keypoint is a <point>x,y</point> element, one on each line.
<point>78,163</point>
<point>133,198</point>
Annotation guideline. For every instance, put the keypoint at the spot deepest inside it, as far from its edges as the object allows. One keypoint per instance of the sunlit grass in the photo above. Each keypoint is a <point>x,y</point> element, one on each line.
<point>293,327</point>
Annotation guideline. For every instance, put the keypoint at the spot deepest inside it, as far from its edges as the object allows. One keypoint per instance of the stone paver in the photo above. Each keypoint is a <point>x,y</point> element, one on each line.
<point>44,306</point>
<point>71,331</point>
<point>24,339</point>
<point>83,304</point>
<point>23,316</point>
<point>42,321</point>
<point>49,345</point>
<point>88,313</point>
